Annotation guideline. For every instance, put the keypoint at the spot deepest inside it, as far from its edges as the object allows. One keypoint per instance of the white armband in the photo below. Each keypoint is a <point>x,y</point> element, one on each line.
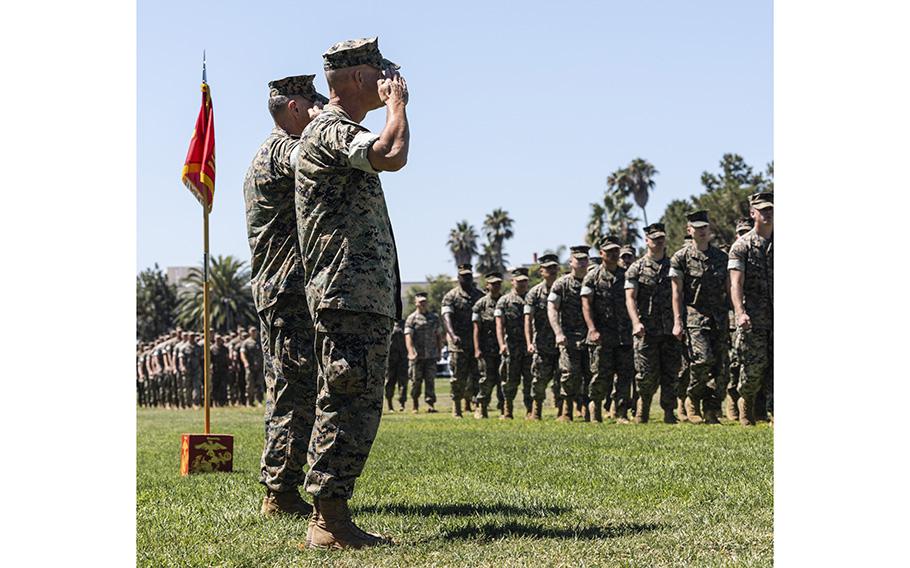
<point>408,331</point>
<point>358,151</point>
<point>674,273</point>
<point>553,299</point>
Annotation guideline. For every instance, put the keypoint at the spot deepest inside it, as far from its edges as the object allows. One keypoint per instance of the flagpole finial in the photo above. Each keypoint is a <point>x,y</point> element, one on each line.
<point>203,66</point>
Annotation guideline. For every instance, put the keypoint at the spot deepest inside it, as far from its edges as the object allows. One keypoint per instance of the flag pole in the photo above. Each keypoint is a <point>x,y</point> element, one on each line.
<point>205,300</point>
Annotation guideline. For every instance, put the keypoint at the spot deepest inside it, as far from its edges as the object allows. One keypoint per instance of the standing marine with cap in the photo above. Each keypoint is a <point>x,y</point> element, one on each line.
<point>457,310</point>
<point>599,292</point>
<point>510,335</point>
<point>350,267</point>
<point>751,267</point>
<point>540,338</point>
<point>649,303</point>
<point>423,338</point>
<point>566,319</point>
<point>743,226</point>
<point>397,368</point>
<point>278,292</point>
<point>698,275</point>
<point>486,348</point>
<point>625,393</point>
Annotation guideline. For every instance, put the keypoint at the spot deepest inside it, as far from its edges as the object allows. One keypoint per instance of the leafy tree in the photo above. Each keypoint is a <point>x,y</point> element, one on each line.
<point>156,302</point>
<point>497,227</point>
<point>463,243</point>
<point>230,298</point>
<point>726,199</point>
<point>559,251</point>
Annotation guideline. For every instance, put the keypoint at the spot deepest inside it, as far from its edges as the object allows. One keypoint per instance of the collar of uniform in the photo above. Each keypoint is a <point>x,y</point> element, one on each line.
<point>337,110</point>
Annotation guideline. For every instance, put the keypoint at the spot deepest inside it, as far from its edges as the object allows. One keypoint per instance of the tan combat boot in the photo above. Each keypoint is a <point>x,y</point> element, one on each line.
<point>612,413</point>
<point>415,406</point>
<point>693,414</point>
<point>480,411</point>
<point>331,527</point>
<point>731,410</point>
<point>565,414</point>
<point>745,412</point>
<point>536,410</point>
<point>456,408</point>
<point>622,416</point>
<point>681,409</point>
<point>643,410</point>
<point>669,417</point>
<point>284,503</point>
<point>431,409</point>
<point>596,411</point>
<point>391,408</point>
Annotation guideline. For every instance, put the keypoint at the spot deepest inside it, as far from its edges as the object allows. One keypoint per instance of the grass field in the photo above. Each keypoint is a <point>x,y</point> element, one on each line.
<point>478,493</point>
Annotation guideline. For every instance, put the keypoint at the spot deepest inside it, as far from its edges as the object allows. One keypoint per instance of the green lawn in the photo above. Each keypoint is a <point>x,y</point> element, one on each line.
<point>478,493</point>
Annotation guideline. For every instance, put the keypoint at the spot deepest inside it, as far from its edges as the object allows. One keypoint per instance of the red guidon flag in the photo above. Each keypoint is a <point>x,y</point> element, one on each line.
<point>199,168</point>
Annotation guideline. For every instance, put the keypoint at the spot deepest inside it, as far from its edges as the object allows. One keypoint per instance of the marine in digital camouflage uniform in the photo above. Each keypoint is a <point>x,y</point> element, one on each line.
<point>251,356</point>
<point>457,306</point>
<point>352,281</point>
<point>510,335</point>
<point>540,338</point>
<point>751,266</point>
<point>486,348</point>
<point>566,319</point>
<point>682,383</point>
<point>423,337</point>
<point>289,383</point>
<point>698,273</point>
<point>657,352</point>
<point>626,354</point>
<point>743,226</point>
<point>219,360</point>
<point>600,289</point>
<point>397,370</point>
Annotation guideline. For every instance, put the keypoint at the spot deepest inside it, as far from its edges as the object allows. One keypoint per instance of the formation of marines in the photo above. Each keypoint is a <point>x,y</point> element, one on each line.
<point>169,369</point>
<point>614,331</point>
<point>327,290</point>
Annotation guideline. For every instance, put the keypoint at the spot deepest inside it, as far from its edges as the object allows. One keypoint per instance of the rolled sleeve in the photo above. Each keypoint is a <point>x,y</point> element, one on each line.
<point>447,310</point>
<point>359,149</point>
<point>475,317</point>
<point>675,273</point>
<point>528,309</point>
<point>586,291</point>
<point>736,264</point>
<point>553,298</point>
<point>631,285</point>
<point>497,313</point>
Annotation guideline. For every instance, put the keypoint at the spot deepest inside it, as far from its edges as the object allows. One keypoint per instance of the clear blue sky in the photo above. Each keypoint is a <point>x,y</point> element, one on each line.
<point>526,109</point>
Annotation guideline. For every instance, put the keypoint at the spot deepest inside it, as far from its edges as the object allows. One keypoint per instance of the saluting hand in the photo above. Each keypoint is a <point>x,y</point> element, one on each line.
<point>392,91</point>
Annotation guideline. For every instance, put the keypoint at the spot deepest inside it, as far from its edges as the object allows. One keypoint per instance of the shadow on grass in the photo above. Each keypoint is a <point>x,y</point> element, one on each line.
<point>461,510</point>
<point>494,531</point>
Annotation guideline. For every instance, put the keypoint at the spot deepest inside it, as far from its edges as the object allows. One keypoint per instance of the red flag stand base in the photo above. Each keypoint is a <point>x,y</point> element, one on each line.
<point>203,453</point>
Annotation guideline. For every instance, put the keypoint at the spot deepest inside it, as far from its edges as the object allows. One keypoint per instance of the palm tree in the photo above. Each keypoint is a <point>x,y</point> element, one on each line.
<point>463,243</point>
<point>638,180</point>
<point>230,298</point>
<point>614,214</point>
<point>596,224</point>
<point>497,227</point>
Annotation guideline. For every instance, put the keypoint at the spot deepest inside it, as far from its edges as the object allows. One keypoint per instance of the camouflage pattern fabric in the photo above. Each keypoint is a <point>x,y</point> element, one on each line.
<point>574,361</point>
<point>290,391</point>
<point>351,353</point>
<point>545,370</point>
<point>483,314</point>
<point>268,191</point>
<point>459,305</point>
<point>654,297</point>
<point>753,255</point>
<point>624,391</point>
<point>545,363</point>
<point>353,52</point>
<point>349,257</point>
<point>219,359</point>
<point>425,330</point>
<point>490,366</point>
<point>574,365</point>
<point>252,350</point>
<point>516,365</point>
<point>297,85</point>
<point>422,373</point>
<point>397,371</point>
<point>703,278</point>
<point>602,286</point>
<point>657,359</point>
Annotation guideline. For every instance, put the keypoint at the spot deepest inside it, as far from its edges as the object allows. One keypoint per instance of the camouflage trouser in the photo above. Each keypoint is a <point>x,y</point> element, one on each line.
<point>657,359</point>
<point>397,376</point>
<point>756,357</point>
<point>422,373</point>
<point>463,383</point>
<point>574,367</point>
<point>683,377</point>
<point>544,367</point>
<point>352,350</point>
<point>624,392</point>
<point>290,391</point>
<point>197,388</point>
<point>603,367</point>
<point>733,367</point>
<point>219,387</point>
<point>707,349</point>
<point>517,370</point>
<point>252,377</point>
<point>490,379</point>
